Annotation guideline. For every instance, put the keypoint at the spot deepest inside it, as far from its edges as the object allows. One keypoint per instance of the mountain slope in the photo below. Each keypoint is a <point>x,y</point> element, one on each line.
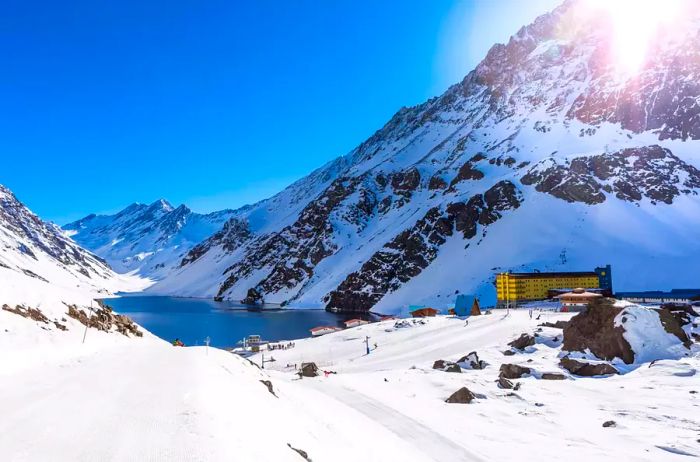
<point>146,239</point>
<point>40,267</point>
<point>544,157</point>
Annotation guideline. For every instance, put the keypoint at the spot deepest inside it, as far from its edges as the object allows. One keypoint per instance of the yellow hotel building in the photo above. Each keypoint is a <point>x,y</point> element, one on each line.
<point>512,288</point>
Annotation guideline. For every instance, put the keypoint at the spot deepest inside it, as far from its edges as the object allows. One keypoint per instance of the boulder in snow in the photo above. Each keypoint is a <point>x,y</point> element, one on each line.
<point>472,361</point>
<point>461,396</point>
<point>587,369</point>
<point>632,333</point>
<point>513,371</point>
<point>522,342</point>
<point>308,370</point>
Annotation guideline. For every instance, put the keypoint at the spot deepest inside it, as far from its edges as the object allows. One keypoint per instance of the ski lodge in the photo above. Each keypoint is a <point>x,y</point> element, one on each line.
<point>514,288</point>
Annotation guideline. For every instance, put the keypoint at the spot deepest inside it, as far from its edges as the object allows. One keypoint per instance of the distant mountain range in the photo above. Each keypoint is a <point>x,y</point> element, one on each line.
<point>146,239</point>
<point>544,157</point>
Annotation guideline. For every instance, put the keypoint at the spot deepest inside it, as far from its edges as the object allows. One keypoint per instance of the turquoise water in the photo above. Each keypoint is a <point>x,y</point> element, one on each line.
<point>225,323</point>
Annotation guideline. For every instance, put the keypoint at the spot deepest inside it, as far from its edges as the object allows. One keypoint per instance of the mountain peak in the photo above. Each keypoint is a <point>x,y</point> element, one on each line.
<point>162,204</point>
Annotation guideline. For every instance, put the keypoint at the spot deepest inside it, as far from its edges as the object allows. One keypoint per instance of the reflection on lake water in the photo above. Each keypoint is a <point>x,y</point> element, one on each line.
<point>225,323</point>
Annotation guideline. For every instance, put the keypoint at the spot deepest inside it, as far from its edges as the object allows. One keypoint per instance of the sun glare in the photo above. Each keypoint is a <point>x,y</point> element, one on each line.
<point>635,24</point>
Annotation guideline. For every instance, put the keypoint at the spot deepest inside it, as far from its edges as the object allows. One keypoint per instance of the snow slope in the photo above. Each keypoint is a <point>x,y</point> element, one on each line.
<point>396,386</point>
<point>542,158</point>
<point>41,268</point>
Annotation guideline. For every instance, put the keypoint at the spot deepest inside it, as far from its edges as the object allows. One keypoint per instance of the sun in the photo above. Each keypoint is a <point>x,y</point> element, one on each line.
<point>636,23</point>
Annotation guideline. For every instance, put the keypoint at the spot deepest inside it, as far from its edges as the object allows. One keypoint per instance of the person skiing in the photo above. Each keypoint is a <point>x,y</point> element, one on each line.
<point>178,343</point>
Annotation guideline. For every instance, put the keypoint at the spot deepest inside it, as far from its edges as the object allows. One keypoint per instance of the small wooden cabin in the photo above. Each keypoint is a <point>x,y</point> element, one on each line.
<point>424,313</point>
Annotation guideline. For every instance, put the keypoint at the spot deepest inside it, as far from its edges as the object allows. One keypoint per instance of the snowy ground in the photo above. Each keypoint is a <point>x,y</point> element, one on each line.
<point>655,408</point>
<point>116,399</point>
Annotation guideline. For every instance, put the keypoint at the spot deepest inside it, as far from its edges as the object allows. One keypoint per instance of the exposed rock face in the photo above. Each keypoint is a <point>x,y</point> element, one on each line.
<point>309,370</point>
<point>586,369</point>
<point>504,383</point>
<point>27,312</point>
<point>472,361</point>
<point>673,325</point>
<point>437,182</point>
<point>461,396</point>
<point>522,342</point>
<point>253,298</point>
<point>513,371</point>
<point>304,455</point>
<point>292,253</point>
<point>404,183</point>
<point>409,253</point>
<point>632,174</point>
<point>104,319</point>
<point>446,366</point>
<point>467,172</point>
<point>268,384</point>
<point>556,325</point>
<point>595,330</point>
<point>553,376</point>
<point>23,232</point>
<point>234,233</point>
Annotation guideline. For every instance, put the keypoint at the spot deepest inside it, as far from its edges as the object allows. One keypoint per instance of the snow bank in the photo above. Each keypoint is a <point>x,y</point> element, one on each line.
<point>647,336</point>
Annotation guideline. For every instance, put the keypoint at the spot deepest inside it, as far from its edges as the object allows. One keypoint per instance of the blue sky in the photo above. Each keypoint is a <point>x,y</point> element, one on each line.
<point>216,103</point>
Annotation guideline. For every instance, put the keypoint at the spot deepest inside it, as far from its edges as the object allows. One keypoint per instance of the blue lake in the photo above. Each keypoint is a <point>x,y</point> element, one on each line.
<point>225,323</point>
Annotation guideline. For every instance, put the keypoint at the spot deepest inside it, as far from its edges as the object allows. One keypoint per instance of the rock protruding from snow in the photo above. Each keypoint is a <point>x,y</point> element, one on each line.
<point>522,342</point>
<point>513,371</point>
<point>634,334</point>
<point>409,253</point>
<point>630,174</point>
<point>587,369</point>
<point>461,396</point>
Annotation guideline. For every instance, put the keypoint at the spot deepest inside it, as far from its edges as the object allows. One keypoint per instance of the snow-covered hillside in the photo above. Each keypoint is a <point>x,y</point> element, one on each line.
<point>148,400</point>
<point>44,272</point>
<point>544,157</point>
<point>145,239</point>
<point>35,254</point>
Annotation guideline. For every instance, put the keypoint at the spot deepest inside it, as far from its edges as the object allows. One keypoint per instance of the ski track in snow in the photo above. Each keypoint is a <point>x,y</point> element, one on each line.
<point>424,439</point>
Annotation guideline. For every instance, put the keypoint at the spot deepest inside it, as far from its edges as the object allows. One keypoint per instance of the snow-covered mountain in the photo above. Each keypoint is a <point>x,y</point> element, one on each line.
<point>146,239</point>
<point>544,157</point>
<point>39,264</point>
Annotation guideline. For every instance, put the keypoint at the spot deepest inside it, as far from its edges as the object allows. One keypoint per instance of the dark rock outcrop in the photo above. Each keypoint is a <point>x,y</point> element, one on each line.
<point>632,174</point>
<point>412,250</point>
<point>586,369</point>
<point>308,370</point>
<point>467,172</point>
<point>555,325</point>
<point>553,376</point>
<point>472,361</point>
<point>446,366</point>
<point>268,384</point>
<point>595,330</point>
<point>253,297</point>
<point>27,312</point>
<point>513,371</point>
<point>104,319</point>
<point>504,383</point>
<point>461,396</point>
<point>522,342</point>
